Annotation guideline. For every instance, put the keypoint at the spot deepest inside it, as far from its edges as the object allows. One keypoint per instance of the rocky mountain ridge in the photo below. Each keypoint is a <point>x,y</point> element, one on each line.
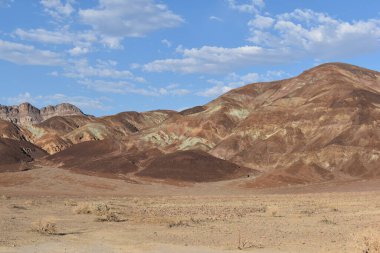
<point>320,126</point>
<point>26,113</point>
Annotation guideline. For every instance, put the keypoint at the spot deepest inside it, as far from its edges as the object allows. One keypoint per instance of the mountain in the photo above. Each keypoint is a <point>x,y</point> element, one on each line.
<point>320,126</point>
<point>26,113</point>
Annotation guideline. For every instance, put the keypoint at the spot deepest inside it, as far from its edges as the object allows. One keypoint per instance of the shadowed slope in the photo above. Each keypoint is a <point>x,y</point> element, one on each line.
<point>14,154</point>
<point>192,166</point>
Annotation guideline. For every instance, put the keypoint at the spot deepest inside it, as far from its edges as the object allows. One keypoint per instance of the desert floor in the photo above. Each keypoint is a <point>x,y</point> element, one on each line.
<point>93,214</point>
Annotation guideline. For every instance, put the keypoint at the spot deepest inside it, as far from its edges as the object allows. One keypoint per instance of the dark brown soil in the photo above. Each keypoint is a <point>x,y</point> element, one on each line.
<point>192,166</point>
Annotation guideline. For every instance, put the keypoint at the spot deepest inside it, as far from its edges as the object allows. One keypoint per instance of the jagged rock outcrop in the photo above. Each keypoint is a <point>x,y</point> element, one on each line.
<point>26,114</point>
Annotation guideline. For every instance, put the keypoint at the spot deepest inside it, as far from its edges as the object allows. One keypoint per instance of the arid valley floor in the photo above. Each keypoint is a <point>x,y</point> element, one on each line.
<point>94,214</point>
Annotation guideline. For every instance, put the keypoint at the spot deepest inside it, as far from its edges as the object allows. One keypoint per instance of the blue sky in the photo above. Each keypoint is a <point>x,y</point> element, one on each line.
<point>108,56</point>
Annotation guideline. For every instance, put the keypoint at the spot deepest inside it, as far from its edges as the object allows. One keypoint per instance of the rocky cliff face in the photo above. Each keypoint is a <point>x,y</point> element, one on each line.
<point>27,114</point>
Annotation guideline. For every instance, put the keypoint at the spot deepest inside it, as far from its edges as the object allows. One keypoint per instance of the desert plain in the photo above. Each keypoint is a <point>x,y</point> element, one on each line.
<point>95,214</point>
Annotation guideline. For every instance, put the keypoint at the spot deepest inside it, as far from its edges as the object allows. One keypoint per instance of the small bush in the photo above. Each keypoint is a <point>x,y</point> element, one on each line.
<point>92,208</point>
<point>45,227</point>
<point>110,217</point>
<point>70,202</point>
<point>325,220</point>
<point>178,224</point>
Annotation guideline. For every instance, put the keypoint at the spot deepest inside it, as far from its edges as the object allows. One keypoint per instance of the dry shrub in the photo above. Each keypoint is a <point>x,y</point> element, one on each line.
<point>327,221</point>
<point>45,227</point>
<point>367,241</point>
<point>32,203</point>
<point>180,223</point>
<point>110,217</point>
<point>92,208</point>
<point>70,202</point>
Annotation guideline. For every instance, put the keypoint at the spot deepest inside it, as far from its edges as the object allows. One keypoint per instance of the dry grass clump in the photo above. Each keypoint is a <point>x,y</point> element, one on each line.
<point>32,203</point>
<point>180,223</point>
<point>98,209</point>
<point>325,220</point>
<point>92,208</point>
<point>110,217</point>
<point>70,202</point>
<point>45,227</point>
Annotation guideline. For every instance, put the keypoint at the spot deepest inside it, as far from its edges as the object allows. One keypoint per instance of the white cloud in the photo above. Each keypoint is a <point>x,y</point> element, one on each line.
<point>129,18</point>
<point>214,18</point>
<point>261,22</point>
<point>57,8</point>
<point>209,59</point>
<point>42,35</point>
<point>81,41</point>
<point>28,55</point>
<point>285,38</point>
<point>21,98</point>
<point>102,69</point>
<point>248,6</point>
<point>314,34</point>
<point>218,89</point>
<point>75,51</point>
<point>80,101</point>
<point>166,42</point>
<point>124,87</point>
<point>233,80</point>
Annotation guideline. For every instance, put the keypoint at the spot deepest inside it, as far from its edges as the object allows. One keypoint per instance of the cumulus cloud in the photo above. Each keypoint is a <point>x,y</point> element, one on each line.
<point>58,9</point>
<point>102,69</point>
<point>125,87</point>
<point>248,6</point>
<point>28,55</point>
<point>285,38</point>
<point>316,34</point>
<point>129,18</point>
<point>81,41</point>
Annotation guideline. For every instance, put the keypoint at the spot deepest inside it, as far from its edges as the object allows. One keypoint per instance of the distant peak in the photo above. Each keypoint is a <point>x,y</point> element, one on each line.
<point>26,113</point>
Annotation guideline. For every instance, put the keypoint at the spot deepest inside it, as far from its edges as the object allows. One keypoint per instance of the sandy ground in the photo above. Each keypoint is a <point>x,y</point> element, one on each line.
<point>209,218</point>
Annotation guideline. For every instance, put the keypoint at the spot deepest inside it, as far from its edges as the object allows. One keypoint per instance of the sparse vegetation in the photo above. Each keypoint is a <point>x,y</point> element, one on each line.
<point>70,202</point>
<point>45,227</point>
<point>92,208</point>
<point>325,220</point>
<point>99,209</point>
<point>180,223</point>
<point>110,217</point>
<point>245,244</point>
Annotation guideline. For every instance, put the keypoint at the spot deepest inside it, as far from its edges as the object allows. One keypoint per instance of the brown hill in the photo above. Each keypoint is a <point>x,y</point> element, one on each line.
<point>102,158</point>
<point>192,166</point>
<point>16,154</point>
